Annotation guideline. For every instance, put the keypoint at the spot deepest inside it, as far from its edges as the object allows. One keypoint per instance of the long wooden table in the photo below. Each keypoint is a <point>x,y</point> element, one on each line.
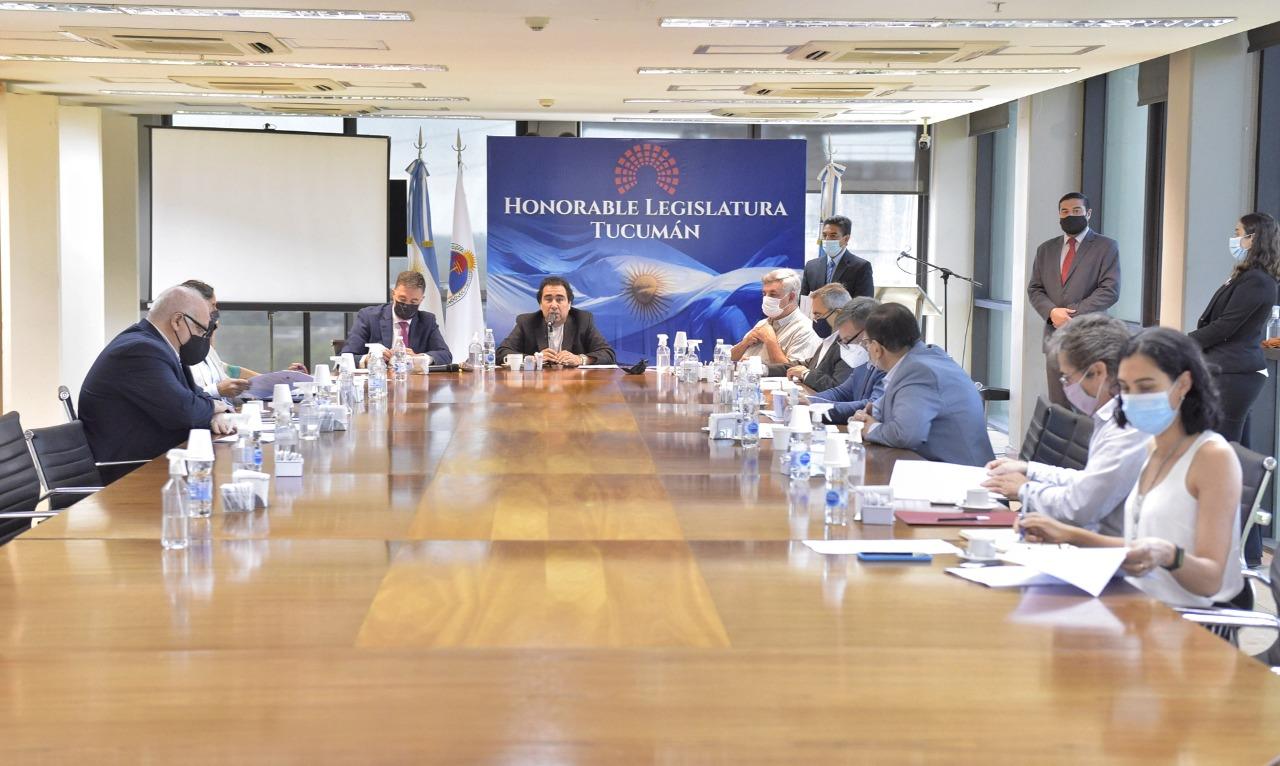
<point>561,568</point>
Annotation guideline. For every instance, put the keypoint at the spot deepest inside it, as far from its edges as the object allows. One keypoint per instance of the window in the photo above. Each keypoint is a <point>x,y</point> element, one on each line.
<point>883,226</point>
<point>1124,181</point>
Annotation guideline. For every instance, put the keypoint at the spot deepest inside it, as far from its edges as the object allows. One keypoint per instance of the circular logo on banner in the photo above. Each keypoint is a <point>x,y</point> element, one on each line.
<point>626,171</point>
<point>462,271</point>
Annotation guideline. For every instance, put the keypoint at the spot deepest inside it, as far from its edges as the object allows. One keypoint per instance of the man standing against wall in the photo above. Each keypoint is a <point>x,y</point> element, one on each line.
<point>1077,273</point>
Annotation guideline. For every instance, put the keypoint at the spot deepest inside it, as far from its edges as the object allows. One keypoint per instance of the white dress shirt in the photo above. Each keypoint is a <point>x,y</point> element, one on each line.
<point>1092,497</point>
<point>1066,245</point>
<point>795,335</point>
<point>555,338</point>
<point>209,373</point>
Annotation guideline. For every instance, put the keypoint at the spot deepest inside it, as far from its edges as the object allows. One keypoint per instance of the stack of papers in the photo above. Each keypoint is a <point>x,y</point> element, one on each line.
<point>939,483</point>
<point>1089,569</point>
<point>850,547</point>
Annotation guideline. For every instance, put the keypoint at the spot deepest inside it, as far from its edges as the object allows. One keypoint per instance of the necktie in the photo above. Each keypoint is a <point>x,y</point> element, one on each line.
<point>1071,256</point>
<point>831,268</point>
<point>404,333</point>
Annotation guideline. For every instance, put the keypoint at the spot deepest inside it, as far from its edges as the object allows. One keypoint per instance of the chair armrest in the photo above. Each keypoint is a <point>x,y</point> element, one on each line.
<point>28,514</point>
<point>1254,574</point>
<point>122,462</point>
<point>994,394</point>
<point>70,491</point>
<point>1234,618</point>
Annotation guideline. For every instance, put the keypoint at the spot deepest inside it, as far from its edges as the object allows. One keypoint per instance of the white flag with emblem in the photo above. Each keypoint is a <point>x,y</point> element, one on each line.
<point>465,317</point>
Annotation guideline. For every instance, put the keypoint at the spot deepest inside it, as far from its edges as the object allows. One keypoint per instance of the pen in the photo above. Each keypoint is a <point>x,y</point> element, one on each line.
<point>963,518</point>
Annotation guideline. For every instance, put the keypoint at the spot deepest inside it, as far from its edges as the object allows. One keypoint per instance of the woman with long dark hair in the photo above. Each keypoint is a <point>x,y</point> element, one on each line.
<point>1180,521</point>
<point>1230,331</point>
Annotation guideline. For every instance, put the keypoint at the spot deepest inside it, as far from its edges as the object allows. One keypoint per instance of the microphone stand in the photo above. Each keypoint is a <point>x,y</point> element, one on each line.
<point>946,274</point>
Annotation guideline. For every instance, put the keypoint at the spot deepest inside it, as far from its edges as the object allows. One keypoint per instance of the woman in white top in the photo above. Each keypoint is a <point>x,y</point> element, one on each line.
<point>1181,520</point>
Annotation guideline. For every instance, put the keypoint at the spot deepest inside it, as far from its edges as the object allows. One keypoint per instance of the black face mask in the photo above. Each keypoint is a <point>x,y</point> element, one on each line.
<point>404,310</point>
<point>1073,224</point>
<point>196,347</point>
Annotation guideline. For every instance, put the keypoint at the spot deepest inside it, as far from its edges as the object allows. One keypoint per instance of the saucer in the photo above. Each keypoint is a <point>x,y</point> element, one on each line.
<point>978,559</point>
<point>992,506</point>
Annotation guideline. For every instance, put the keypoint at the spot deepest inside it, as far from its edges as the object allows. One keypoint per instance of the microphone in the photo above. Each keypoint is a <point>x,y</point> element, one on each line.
<point>443,368</point>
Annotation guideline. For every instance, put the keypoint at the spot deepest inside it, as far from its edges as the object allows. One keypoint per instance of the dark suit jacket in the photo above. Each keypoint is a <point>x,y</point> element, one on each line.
<point>827,372</point>
<point>580,336</point>
<point>1093,284</point>
<point>138,401</point>
<point>852,272</point>
<point>1231,328</point>
<point>374,325</point>
<point>864,385</point>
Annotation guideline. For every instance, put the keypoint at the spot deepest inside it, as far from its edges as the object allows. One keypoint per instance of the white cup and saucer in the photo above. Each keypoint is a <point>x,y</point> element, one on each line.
<point>982,549</point>
<point>979,499</point>
<point>514,361</point>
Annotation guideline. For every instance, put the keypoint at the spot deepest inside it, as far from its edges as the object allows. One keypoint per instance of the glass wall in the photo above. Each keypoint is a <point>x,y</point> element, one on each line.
<point>1124,179</point>
<point>883,226</point>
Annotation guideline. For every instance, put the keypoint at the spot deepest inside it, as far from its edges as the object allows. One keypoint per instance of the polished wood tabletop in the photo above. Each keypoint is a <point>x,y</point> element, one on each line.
<point>561,568</point>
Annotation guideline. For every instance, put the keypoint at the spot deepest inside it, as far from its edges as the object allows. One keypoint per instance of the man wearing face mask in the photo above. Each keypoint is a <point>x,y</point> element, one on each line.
<point>784,336</point>
<point>825,368</point>
<point>1088,351</point>
<point>836,265</point>
<point>416,329</point>
<point>864,383</point>
<point>1077,273</point>
<point>138,399</point>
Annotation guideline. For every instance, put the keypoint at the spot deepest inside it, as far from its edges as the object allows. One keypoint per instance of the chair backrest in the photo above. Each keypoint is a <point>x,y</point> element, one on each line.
<point>19,482</point>
<point>1256,470</point>
<point>64,459</point>
<point>338,345</point>
<point>68,407</point>
<point>1057,436</point>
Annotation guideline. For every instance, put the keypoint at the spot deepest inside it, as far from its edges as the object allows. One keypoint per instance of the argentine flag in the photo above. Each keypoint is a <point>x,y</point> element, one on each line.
<point>422,248</point>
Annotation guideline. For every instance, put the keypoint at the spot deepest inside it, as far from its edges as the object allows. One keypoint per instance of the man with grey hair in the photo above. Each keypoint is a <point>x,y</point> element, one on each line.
<point>1088,350</point>
<point>139,400</point>
<point>864,383</point>
<point>824,369</point>
<point>784,335</point>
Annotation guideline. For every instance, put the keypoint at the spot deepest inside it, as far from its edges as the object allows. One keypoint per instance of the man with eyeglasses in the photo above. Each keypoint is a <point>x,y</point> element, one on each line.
<point>139,399</point>
<point>825,368</point>
<point>864,383</point>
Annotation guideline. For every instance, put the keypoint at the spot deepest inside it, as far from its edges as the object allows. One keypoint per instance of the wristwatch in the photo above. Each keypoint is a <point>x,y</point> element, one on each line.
<point>583,359</point>
<point>1178,554</point>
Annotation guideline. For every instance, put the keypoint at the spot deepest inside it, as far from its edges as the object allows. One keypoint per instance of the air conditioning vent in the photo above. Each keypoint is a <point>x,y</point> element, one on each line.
<point>777,114</point>
<point>884,52</point>
<point>261,84</point>
<point>191,42</point>
<point>334,110</point>
<point>849,90</point>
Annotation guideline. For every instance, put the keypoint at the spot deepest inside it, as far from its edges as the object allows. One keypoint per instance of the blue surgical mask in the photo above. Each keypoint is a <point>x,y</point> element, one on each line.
<point>831,247</point>
<point>1149,413</point>
<point>1237,252</point>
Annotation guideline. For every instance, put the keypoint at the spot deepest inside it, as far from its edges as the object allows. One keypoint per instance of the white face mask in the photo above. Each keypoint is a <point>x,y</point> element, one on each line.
<point>831,247</point>
<point>854,355</point>
<point>1237,251</point>
<point>771,307</point>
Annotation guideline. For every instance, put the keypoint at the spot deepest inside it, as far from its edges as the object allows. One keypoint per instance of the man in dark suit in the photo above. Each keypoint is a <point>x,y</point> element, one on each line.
<point>837,264</point>
<point>825,368</point>
<point>566,336</point>
<point>1078,273</point>
<point>417,329</point>
<point>138,400</point>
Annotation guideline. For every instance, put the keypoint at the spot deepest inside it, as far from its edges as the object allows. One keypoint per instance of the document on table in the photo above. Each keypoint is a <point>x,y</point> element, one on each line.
<point>932,547</point>
<point>1089,569</point>
<point>263,386</point>
<point>939,483</point>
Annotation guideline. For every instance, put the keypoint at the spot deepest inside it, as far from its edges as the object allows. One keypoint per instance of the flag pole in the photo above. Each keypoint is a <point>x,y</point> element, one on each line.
<point>458,147</point>
<point>421,144</point>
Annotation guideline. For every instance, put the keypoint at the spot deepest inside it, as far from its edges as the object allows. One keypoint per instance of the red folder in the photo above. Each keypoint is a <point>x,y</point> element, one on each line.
<point>957,518</point>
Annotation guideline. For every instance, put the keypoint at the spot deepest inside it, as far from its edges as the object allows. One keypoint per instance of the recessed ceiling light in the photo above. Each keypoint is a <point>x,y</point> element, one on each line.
<point>789,101</point>
<point>873,71</point>
<point>220,63</point>
<point>277,96</point>
<point>240,13</point>
<point>1099,23</point>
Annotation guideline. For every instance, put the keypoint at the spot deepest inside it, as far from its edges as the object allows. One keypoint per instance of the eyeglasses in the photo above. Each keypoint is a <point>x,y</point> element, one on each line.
<point>852,340</point>
<point>206,331</point>
<point>1065,380</point>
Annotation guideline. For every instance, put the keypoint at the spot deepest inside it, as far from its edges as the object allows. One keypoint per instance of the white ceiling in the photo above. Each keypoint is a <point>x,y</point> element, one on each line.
<point>586,58</point>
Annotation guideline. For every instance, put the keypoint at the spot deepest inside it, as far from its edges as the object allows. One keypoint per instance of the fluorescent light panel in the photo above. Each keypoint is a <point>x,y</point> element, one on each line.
<point>313,114</point>
<point>220,63</point>
<point>789,101</point>
<point>331,14</point>
<point>1099,23</point>
<point>278,96</point>
<point>871,71</point>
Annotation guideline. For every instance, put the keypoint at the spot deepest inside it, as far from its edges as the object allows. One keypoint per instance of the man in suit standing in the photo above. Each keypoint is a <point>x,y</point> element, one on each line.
<point>566,336</point>
<point>1078,273</point>
<point>929,405</point>
<point>417,329</point>
<point>837,264</point>
<point>825,368</point>
<point>138,400</point>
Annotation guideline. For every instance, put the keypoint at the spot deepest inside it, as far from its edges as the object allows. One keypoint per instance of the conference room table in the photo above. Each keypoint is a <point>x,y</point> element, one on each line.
<point>560,567</point>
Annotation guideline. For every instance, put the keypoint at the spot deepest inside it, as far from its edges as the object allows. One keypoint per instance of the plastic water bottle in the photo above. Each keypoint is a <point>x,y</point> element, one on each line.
<point>690,367</point>
<point>857,475</point>
<point>377,374</point>
<point>798,444</point>
<point>399,360</point>
<point>818,440</point>
<point>680,350</point>
<point>664,355</point>
<point>309,413</point>
<point>200,488</point>
<point>836,470</point>
<point>174,527</point>
<point>490,350</point>
<point>286,438</point>
<point>242,453</point>
<point>1273,327</point>
<point>748,423</point>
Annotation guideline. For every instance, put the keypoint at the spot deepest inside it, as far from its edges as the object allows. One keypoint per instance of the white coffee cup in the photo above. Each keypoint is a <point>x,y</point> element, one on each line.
<point>977,497</point>
<point>514,361</point>
<point>982,548</point>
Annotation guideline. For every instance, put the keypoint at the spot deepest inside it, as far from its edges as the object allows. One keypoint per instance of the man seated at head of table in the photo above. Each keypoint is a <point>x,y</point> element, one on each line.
<point>1181,524</point>
<point>138,399</point>
<point>1088,350</point>
<point>402,317</point>
<point>930,405</point>
<point>784,336</point>
<point>566,336</point>
<point>865,382</point>
<point>825,368</point>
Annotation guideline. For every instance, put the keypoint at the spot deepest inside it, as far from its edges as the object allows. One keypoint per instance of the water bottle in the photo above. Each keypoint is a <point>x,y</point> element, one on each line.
<point>475,352</point>
<point>690,367</point>
<point>399,360</point>
<point>257,452</point>
<point>200,488</point>
<point>1273,327</point>
<point>680,350</point>
<point>286,436</point>
<point>174,527</point>
<point>857,456</point>
<point>309,414</point>
<point>377,374</point>
<point>798,454</point>
<point>818,441</point>
<point>748,424</point>
<point>664,355</point>
<point>242,453</point>
<point>490,350</point>
<point>836,470</point>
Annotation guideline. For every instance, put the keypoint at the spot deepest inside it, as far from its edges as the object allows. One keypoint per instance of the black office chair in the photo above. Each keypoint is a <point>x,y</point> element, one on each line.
<point>64,396</point>
<point>64,462</point>
<point>1057,436</point>
<point>1256,471</point>
<point>989,394</point>
<point>19,481</point>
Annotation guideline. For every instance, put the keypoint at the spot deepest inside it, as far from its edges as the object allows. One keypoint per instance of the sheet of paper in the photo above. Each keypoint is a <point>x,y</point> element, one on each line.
<point>941,483</point>
<point>1089,569</point>
<point>1003,577</point>
<point>932,547</point>
<point>263,386</point>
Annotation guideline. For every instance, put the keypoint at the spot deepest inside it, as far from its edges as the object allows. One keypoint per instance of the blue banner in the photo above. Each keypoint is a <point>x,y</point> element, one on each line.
<point>654,235</point>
